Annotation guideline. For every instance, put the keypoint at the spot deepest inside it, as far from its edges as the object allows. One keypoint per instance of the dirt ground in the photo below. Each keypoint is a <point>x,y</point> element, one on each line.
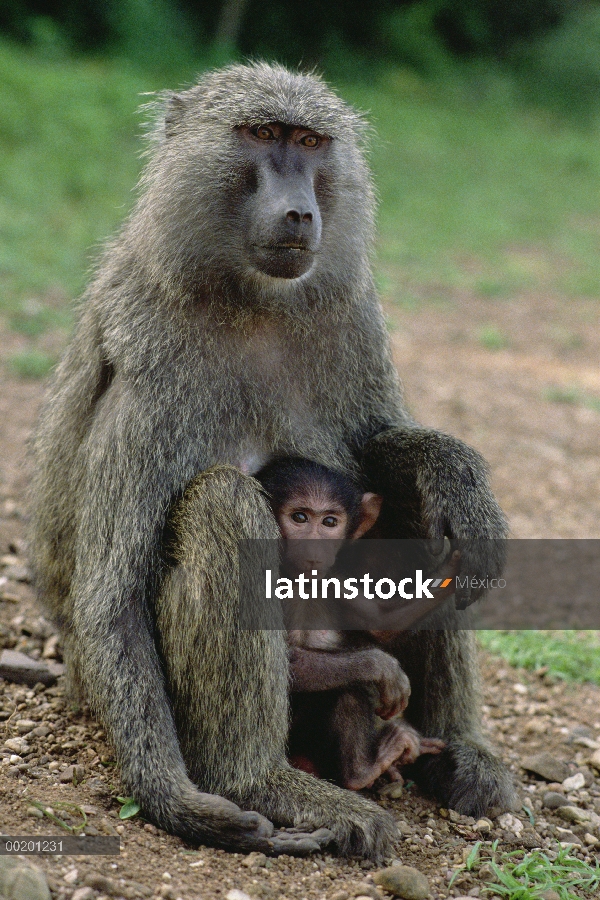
<point>532,408</point>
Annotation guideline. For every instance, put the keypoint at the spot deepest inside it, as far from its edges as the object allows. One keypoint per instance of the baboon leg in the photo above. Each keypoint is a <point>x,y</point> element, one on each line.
<point>229,686</point>
<point>445,703</point>
<point>366,751</point>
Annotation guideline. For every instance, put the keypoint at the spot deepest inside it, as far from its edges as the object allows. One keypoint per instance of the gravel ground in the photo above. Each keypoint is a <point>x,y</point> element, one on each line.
<point>532,408</point>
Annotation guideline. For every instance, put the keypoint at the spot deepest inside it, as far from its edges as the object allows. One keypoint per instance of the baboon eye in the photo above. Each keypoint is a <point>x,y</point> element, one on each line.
<point>263,133</point>
<point>300,517</point>
<point>330,521</point>
<point>310,140</point>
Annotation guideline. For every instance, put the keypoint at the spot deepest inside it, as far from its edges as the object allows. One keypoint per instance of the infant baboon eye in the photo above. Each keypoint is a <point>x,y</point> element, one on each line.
<point>330,521</point>
<point>300,517</point>
<point>310,140</point>
<point>264,133</point>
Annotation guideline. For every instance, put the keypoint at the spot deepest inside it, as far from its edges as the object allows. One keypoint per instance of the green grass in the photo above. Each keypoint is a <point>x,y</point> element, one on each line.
<point>527,876</point>
<point>477,191</point>
<point>68,161</point>
<point>31,363</point>
<point>568,655</point>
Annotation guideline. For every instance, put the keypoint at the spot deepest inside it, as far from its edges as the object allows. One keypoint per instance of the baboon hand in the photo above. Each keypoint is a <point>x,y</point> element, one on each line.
<point>300,841</point>
<point>447,481</point>
<point>392,683</point>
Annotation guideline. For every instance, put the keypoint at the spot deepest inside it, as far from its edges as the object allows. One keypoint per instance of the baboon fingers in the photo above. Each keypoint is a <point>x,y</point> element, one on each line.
<point>300,843</point>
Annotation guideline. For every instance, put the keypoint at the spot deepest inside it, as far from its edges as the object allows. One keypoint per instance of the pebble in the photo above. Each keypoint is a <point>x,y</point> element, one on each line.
<point>24,726</point>
<point>72,775</point>
<point>237,895</point>
<point>574,782</point>
<point>20,881</point>
<point>595,759</point>
<point>484,826</point>
<point>99,883</point>
<point>71,876</point>
<point>340,895</point>
<point>17,745</point>
<point>589,839</point>
<point>552,800</point>
<point>546,766</point>
<point>22,669</point>
<point>82,893</point>
<point>575,814</point>
<point>510,823</point>
<point>34,812</point>
<point>403,881</point>
<point>255,859</point>
<point>393,791</point>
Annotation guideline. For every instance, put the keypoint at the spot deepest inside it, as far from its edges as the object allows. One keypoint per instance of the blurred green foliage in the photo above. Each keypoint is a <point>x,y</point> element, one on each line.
<point>566,655</point>
<point>425,34</point>
<point>478,189</point>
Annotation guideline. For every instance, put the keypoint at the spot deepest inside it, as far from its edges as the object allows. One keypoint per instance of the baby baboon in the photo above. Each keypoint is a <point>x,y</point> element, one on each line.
<point>234,319</point>
<point>334,731</point>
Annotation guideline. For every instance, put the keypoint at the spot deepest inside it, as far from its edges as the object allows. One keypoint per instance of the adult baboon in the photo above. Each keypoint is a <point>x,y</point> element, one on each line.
<point>234,318</point>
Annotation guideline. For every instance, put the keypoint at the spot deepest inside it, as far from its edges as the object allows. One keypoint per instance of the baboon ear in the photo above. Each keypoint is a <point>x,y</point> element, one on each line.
<point>174,114</point>
<point>370,507</point>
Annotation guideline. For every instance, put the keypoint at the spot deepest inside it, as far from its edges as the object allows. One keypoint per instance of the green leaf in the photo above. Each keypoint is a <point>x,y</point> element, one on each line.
<point>129,809</point>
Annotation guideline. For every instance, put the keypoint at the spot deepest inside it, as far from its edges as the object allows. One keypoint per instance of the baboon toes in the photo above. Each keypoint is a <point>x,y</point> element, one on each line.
<point>467,778</point>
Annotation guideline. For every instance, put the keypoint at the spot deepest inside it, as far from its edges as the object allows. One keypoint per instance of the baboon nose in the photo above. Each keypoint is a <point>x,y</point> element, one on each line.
<point>297,216</point>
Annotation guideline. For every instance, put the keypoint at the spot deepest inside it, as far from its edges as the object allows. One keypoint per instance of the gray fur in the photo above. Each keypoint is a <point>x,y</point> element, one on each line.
<point>185,358</point>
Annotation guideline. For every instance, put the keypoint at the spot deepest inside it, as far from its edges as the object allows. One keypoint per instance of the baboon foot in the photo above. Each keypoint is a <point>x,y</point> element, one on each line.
<point>467,778</point>
<point>358,826</point>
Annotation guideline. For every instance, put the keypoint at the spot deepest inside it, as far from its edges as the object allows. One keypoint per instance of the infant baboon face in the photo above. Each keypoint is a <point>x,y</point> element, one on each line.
<point>320,523</point>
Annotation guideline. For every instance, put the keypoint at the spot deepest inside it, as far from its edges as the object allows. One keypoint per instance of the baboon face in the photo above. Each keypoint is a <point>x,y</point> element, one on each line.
<point>284,166</point>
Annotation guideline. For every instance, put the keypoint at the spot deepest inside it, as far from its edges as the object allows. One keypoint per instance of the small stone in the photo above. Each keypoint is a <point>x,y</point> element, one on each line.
<point>574,782</point>
<point>136,890</point>
<point>40,731</point>
<point>17,745</point>
<point>50,647</point>
<point>237,895</point>
<point>484,826</point>
<point>24,726</point>
<point>575,815</point>
<point>486,873</point>
<point>510,823</point>
<point>99,883</point>
<point>18,573</point>
<point>20,881</point>
<point>82,893</point>
<point>34,812</point>
<point>546,766</point>
<point>22,669</point>
<point>72,775</point>
<point>403,881</point>
<point>552,800</point>
<point>165,891</point>
<point>393,790</point>
<point>589,839</point>
<point>595,759</point>
<point>367,890</point>
<point>71,876</point>
<point>340,895</point>
<point>255,859</point>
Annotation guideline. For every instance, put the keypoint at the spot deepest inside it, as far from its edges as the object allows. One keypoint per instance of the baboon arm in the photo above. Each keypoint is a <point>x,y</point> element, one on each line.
<point>76,386</point>
<point>316,670</point>
<point>433,486</point>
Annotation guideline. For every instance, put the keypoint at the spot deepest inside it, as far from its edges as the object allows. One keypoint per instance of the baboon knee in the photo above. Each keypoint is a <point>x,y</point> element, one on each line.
<point>222,502</point>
